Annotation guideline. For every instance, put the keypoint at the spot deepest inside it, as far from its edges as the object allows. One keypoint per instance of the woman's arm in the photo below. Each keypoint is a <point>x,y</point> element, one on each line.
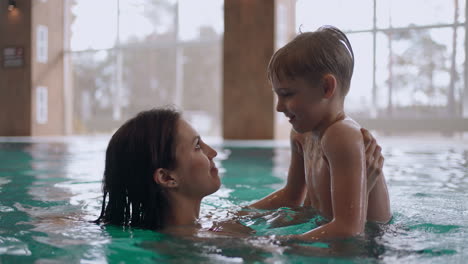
<point>374,160</point>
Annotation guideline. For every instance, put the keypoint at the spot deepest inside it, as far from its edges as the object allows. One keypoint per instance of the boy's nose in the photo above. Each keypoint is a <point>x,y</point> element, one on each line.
<point>279,106</point>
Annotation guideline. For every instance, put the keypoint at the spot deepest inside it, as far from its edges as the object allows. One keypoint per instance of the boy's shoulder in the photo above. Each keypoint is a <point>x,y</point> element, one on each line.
<point>342,133</point>
<point>299,137</point>
<point>339,133</point>
<point>297,140</point>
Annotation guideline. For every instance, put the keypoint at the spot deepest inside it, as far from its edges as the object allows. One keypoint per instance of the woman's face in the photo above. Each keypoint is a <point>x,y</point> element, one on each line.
<point>195,169</point>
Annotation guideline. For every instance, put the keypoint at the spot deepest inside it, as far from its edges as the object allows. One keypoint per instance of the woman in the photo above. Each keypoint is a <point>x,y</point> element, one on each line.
<point>156,173</point>
<point>158,170</point>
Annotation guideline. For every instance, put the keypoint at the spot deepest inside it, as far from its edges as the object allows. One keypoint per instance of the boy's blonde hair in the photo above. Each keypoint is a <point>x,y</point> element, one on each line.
<point>311,55</point>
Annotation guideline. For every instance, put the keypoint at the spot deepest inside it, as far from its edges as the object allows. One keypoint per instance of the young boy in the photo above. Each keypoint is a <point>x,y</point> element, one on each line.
<point>311,76</point>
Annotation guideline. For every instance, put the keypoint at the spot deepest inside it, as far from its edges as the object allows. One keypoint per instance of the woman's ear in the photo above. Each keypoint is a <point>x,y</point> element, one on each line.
<point>329,85</point>
<point>165,178</point>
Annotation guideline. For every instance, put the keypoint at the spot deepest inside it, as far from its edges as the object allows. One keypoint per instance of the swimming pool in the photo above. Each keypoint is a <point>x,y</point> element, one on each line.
<point>51,189</point>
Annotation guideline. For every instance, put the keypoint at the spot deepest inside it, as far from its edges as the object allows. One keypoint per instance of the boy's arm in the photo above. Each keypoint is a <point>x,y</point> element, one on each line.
<point>344,150</point>
<point>292,194</point>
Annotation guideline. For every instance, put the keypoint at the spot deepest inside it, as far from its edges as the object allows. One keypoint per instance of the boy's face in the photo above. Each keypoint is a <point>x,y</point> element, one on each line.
<point>302,103</point>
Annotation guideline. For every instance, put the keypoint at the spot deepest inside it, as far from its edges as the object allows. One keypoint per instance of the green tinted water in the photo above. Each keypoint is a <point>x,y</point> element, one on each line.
<point>50,191</point>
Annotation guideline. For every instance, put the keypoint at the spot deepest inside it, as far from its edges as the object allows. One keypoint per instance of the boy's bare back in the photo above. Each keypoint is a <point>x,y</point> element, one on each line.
<point>318,178</point>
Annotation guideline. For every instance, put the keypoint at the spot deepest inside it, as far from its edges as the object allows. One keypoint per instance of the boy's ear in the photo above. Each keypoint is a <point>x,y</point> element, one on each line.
<point>329,85</point>
<point>165,178</point>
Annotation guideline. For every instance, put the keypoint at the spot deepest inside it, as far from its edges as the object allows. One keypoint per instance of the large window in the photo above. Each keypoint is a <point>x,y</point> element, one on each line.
<point>132,55</point>
<point>410,55</point>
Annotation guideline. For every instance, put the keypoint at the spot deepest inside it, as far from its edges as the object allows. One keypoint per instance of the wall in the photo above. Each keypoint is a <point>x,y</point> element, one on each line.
<point>18,108</point>
<point>15,82</point>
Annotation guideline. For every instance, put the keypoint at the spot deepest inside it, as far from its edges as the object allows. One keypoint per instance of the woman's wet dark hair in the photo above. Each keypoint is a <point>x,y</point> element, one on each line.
<point>139,147</point>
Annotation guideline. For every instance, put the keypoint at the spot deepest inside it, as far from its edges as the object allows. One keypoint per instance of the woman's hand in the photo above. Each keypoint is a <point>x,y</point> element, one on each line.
<point>374,159</point>
<point>231,227</point>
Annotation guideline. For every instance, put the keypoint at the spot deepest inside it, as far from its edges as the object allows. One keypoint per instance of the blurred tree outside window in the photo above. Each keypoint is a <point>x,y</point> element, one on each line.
<point>141,54</point>
<point>409,64</point>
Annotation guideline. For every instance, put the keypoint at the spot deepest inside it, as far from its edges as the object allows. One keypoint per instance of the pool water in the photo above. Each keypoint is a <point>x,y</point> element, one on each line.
<point>50,191</point>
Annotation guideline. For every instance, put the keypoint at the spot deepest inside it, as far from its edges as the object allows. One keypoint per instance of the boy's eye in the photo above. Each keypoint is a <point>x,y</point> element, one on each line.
<point>285,94</point>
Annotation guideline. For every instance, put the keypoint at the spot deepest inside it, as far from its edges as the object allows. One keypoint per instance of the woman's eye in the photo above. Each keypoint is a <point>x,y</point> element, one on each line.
<point>197,146</point>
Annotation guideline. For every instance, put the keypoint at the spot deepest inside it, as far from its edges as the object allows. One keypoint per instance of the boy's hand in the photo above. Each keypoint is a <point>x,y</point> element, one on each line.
<point>374,159</point>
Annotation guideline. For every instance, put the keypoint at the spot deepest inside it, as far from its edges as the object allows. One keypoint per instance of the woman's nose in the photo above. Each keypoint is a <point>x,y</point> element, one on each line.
<point>215,153</point>
<point>210,152</point>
